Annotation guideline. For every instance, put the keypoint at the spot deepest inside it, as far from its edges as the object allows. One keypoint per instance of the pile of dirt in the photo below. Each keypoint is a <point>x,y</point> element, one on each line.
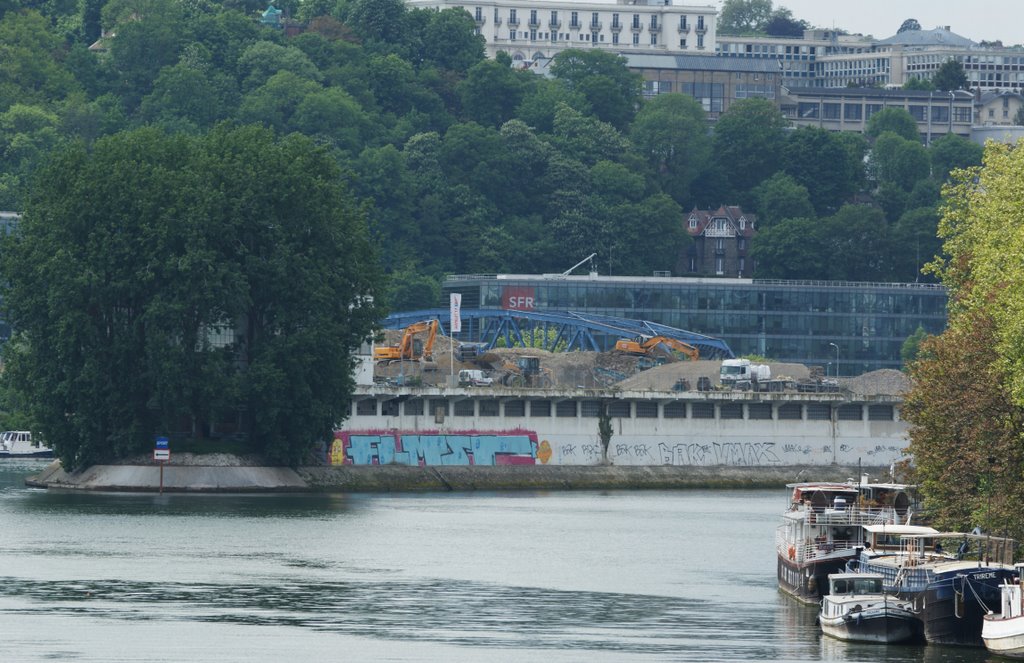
<point>884,382</point>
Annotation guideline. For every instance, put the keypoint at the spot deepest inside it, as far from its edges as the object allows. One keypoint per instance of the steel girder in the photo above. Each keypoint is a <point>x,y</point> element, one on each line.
<point>556,330</point>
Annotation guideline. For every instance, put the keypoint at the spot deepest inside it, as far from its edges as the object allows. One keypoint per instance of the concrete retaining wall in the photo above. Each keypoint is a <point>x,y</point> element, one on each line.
<point>398,478</point>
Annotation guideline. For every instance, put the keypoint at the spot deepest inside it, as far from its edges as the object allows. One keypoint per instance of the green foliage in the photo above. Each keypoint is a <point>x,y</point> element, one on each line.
<point>950,76</point>
<point>670,133</point>
<point>740,17</point>
<point>951,152</point>
<point>752,132</point>
<point>820,161</point>
<point>781,197</point>
<point>922,84</point>
<point>119,306</point>
<point>911,347</point>
<point>611,89</point>
<point>896,120</point>
<point>900,162</point>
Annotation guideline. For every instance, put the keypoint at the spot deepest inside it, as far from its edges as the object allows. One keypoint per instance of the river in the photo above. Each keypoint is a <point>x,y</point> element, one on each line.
<point>555,576</point>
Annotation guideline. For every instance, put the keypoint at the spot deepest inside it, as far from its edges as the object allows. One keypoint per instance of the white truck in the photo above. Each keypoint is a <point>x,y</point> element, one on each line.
<point>735,371</point>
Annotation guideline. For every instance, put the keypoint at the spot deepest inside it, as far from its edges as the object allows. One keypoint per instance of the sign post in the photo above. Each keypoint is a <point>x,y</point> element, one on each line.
<point>162,454</point>
<point>454,327</point>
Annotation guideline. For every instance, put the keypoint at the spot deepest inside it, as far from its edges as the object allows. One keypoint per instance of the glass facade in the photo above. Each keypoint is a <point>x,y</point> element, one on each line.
<point>790,321</point>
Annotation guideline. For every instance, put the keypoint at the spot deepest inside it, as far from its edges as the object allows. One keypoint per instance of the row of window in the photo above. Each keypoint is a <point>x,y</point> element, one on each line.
<point>856,111</point>
<point>486,407</point>
<point>578,22</point>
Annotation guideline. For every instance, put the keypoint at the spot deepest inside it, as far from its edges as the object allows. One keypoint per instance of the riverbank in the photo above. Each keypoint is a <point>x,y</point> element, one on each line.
<point>196,478</point>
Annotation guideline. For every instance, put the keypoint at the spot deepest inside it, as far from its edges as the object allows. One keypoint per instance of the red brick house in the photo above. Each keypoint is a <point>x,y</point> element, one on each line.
<point>721,242</point>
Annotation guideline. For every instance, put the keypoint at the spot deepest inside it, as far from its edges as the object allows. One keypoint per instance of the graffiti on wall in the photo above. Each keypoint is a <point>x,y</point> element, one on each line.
<point>517,447</point>
<point>726,453</point>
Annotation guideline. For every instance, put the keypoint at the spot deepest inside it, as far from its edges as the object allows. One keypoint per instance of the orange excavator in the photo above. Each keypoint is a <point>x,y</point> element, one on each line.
<point>649,346</point>
<point>410,347</point>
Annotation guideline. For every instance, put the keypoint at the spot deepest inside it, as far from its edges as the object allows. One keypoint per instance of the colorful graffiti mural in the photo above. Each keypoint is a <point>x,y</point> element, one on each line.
<point>517,447</point>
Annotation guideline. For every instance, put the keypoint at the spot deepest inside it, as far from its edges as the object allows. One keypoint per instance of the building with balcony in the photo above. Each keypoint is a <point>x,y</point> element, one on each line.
<point>530,30</point>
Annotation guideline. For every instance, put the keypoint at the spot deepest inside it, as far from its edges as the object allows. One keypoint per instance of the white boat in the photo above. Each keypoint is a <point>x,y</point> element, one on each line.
<point>857,609</point>
<point>19,444</point>
<point>1003,632</point>
<point>823,529</point>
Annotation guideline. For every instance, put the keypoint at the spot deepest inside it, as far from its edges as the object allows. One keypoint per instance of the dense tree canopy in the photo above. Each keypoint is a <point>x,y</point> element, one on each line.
<point>223,281</point>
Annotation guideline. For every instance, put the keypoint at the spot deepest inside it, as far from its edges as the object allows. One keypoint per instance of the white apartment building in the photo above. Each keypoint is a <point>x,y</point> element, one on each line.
<point>533,29</point>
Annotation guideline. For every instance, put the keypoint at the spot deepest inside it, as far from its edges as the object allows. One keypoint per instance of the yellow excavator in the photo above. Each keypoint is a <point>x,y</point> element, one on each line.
<point>649,346</point>
<point>410,347</point>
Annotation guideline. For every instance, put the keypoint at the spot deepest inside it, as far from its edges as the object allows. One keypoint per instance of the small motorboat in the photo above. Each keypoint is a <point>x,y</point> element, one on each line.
<point>19,444</point>
<point>1003,632</point>
<point>857,609</point>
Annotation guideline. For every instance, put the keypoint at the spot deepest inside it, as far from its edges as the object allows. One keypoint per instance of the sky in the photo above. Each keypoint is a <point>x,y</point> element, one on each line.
<point>977,20</point>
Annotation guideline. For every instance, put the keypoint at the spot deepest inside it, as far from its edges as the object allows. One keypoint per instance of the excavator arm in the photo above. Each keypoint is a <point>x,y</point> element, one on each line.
<point>647,346</point>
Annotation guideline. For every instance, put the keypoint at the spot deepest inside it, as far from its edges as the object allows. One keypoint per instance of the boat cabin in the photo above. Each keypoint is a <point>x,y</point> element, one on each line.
<point>860,584</point>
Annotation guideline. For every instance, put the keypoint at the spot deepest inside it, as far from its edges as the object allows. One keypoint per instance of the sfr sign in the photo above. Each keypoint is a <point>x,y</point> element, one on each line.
<point>518,299</point>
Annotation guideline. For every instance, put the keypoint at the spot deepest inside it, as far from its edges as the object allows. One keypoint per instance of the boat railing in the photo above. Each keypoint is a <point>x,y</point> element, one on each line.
<point>801,552</point>
<point>853,516</point>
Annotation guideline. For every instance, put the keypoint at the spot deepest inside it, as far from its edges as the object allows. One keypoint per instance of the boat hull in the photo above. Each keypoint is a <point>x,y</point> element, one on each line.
<point>953,609</point>
<point>1004,636</point>
<point>808,581</point>
<point>886,626</point>
<point>46,453</point>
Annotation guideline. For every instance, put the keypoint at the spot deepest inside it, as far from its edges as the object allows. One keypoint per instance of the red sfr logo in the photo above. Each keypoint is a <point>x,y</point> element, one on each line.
<point>518,299</point>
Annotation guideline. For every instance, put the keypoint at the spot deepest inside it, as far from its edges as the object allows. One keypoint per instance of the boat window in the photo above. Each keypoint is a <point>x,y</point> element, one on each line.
<point>867,586</point>
<point>840,586</point>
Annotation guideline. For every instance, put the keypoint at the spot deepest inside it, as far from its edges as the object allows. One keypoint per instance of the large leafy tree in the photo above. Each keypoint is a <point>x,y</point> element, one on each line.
<point>670,133</point>
<point>744,16</point>
<point>821,162</point>
<point>965,408</point>
<point>896,120</point>
<point>748,139</point>
<point>223,277</point>
<point>611,89</point>
<point>950,76</point>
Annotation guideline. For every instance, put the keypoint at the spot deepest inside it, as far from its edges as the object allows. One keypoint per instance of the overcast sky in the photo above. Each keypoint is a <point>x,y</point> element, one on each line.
<point>974,19</point>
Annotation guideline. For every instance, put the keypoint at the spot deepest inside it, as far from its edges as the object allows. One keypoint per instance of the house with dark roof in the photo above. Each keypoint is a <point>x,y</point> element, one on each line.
<point>721,242</point>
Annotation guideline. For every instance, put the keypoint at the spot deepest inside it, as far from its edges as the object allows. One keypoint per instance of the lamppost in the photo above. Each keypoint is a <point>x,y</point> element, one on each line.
<point>837,357</point>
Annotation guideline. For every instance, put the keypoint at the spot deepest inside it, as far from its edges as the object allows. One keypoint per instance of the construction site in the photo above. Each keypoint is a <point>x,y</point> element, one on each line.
<point>423,357</point>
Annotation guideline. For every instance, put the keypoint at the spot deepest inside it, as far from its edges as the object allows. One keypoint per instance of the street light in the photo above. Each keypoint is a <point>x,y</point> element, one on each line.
<point>837,357</point>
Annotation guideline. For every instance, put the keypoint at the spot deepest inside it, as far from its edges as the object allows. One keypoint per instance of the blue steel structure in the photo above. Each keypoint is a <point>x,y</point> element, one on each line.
<point>556,330</point>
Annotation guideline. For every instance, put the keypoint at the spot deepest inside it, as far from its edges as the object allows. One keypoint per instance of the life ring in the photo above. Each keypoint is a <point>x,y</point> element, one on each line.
<point>792,552</point>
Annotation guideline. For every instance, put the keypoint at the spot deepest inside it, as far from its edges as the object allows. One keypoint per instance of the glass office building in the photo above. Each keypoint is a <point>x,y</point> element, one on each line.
<point>864,325</point>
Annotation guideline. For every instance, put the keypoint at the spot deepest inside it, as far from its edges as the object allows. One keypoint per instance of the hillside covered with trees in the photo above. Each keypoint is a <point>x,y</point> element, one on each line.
<point>463,164</point>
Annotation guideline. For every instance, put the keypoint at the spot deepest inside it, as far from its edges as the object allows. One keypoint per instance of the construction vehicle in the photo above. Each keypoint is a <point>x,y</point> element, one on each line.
<point>525,372</point>
<point>740,373</point>
<point>410,348</point>
<point>649,346</point>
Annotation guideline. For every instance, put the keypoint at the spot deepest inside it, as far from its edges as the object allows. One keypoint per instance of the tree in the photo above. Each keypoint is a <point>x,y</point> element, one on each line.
<point>915,233</point>
<point>491,92</point>
<point>965,429</point>
<point>670,133</point>
<point>951,152</point>
<point>820,161</point>
<point>740,17</point>
<point>857,244</point>
<point>782,24</point>
<point>611,89</point>
<point>909,25</point>
<point>900,162</point>
<point>896,120</point>
<point>209,287</point>
<point>922,84</point>
<point>792,249</point>
<point>749,138</point>
<point>950,76</point>
<point>911,347</point>
<point>780,197</point>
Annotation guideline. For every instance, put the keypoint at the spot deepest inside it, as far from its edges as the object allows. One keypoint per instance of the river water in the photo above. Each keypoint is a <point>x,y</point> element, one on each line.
<point>559,576</point>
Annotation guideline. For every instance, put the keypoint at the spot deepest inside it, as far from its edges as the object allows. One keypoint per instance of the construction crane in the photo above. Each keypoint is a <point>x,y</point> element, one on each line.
<point>410,347</point>
<point>646,346</point>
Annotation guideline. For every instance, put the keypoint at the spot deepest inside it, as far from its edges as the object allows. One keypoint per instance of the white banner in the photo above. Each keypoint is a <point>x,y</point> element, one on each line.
<point>455,306</point>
